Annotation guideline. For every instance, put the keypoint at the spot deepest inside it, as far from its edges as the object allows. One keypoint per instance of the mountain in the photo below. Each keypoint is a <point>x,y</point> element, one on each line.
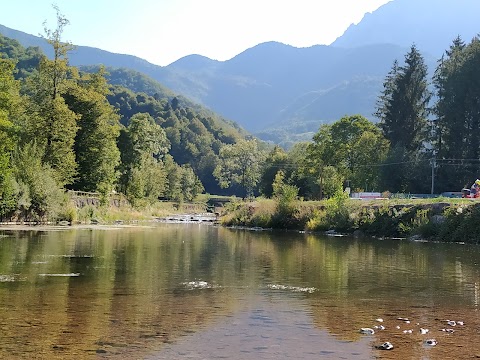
<point>430,24</point>
<point>284,93</point>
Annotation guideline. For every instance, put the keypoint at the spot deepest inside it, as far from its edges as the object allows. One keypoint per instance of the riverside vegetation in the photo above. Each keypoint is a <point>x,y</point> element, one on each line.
<point>441,219</point>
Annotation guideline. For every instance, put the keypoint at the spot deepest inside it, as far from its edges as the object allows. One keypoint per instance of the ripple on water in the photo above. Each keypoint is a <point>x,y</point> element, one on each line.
<point>10,278</point>
<point>291,288</point>
<point>198,285</point>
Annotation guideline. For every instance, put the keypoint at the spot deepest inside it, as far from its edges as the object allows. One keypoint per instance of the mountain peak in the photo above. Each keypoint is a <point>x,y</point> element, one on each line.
<point>404,22</point>
<point>192,62</point>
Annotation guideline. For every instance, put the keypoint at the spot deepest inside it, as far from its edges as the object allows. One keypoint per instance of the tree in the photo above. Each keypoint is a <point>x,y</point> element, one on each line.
<point>352,146</point>
<point>143,144</point>
<point>9,102</point>
<point>402,108</point>
<point>39,196</point>
<point>303,175</point>
<point>191,185</point>
<point>146,181</point>
<point>285,195</point>
<point>96,151</point>
<point>50,122</point>
<point>58,66</point>
<point>457,127</point>
<point>276,161</point>
<point>240,163</point>
<point>182,182</point>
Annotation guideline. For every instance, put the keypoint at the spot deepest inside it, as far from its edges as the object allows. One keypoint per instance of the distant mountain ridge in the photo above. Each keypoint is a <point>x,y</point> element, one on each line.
<point>430,24</point>
<point>281,92</point>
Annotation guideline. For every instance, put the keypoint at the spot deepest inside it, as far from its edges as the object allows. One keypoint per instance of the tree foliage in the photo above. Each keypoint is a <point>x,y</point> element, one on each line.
<point>403,106</point>
<point>240,163</point>
<point>9,102</point>
<point>457,130</point>
<point>403,110</point>
<point>143,144</point>
<point>50,121</point>
<point>353,146</point>
<point>95,147</point>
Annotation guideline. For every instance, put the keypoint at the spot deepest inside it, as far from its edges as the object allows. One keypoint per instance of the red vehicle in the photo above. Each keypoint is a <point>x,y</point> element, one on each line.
<point>473,192</point>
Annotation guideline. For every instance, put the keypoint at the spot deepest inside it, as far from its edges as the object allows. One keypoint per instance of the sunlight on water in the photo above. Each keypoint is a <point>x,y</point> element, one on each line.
<point>61,275</point>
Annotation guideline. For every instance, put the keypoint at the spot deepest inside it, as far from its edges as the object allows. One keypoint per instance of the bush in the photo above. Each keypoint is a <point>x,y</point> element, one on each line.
<point>88,213</point>
<point>68,213</point>
<point>461,224</point>
<point>338,212</point>
<point>318,221</point>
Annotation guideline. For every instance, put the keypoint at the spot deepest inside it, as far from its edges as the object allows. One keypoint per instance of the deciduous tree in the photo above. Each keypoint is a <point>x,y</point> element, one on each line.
<point>240,163</point>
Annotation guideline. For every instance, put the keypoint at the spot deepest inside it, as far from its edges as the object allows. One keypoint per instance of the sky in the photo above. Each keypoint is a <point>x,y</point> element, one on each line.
<point>163,31</point>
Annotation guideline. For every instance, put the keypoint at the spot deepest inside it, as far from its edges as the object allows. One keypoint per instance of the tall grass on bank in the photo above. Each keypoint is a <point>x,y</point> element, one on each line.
<point>106,214</point>
<point>445,220</point>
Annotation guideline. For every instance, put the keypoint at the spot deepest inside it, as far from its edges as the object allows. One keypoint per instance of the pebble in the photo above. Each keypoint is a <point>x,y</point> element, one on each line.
<point>385,346</point>
<point>367,331</point>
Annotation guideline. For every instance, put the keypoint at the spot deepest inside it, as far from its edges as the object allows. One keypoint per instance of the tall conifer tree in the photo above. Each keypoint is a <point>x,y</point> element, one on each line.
<point>457,83</point>
<point>403,109</point>
<point>403,105</point>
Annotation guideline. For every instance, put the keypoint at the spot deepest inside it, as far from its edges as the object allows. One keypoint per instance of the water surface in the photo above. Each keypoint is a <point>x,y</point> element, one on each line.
<point>175,291</point>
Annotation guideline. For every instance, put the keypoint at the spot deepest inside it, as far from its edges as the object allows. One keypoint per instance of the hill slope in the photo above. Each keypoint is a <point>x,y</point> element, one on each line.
<point>273,89</point>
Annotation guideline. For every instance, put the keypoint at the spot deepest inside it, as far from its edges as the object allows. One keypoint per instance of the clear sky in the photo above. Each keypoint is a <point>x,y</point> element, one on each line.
<point>162,31</point>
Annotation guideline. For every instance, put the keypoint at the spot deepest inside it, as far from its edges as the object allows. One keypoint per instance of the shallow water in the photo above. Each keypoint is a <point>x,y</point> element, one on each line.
<point>176,291</point>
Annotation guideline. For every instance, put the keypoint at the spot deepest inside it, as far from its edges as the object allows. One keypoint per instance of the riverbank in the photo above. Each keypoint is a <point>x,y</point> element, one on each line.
<point>88,213</point>
<point>441,219</point>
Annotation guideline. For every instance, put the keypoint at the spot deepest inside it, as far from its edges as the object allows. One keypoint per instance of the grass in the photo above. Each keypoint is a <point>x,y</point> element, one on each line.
<point>386,217</point>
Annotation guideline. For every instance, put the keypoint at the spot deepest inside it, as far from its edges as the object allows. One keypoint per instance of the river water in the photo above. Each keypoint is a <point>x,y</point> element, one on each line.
<point>178,291</point>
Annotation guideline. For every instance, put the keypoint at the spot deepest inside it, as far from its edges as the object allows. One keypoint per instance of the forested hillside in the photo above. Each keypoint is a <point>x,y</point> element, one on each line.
<point>62,128</point>
<point>260,88</point>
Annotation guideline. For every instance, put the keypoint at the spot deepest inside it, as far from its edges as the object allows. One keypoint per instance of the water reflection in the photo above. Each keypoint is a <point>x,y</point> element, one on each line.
<point>163,291</point>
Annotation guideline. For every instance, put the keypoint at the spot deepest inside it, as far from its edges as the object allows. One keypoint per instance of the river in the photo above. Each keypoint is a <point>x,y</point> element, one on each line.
<point>191,291</point>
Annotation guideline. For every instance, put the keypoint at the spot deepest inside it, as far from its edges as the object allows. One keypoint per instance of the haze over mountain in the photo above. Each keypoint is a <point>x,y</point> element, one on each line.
<point>283,93</point>
<point>430,24</point>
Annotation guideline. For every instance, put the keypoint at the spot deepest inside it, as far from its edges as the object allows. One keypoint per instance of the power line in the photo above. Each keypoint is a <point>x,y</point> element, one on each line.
<point>444,162</point>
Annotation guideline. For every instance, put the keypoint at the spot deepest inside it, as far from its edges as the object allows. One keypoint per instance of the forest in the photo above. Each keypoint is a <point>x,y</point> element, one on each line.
<point>116,131</point>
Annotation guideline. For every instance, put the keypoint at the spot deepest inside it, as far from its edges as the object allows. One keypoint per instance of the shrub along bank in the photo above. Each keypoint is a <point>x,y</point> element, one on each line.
<point>86,208</point>
<point>443,219</point>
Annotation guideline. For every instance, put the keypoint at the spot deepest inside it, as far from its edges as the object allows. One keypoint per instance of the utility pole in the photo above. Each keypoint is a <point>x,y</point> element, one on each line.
<point>433,161</point>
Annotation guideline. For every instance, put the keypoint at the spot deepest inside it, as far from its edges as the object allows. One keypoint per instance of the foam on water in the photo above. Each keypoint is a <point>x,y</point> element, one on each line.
<point>292,288</point>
